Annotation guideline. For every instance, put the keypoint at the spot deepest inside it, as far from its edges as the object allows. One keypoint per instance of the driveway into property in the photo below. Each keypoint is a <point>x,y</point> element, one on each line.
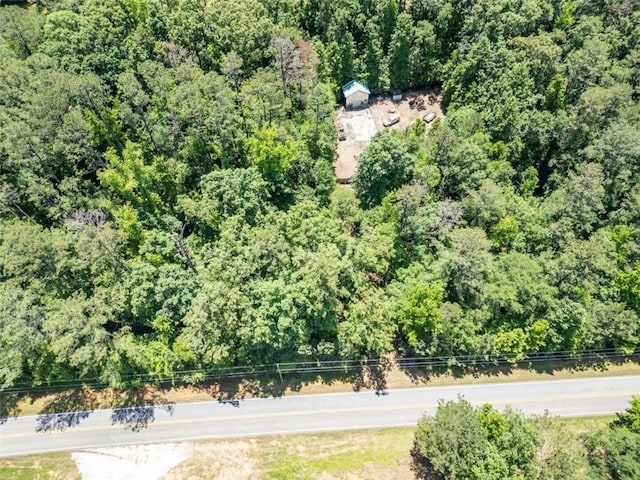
<point>302,413</point>
<point>359,128</point>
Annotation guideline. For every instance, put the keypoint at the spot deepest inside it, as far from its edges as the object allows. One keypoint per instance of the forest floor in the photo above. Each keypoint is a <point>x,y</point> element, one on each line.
<point>351,455</point>
<point>361,125</point>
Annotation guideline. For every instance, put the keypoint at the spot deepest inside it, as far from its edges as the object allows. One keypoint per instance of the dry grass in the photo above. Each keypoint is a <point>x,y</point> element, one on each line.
<point>350,455</point>
<point>395,378</point>
<point>235,460</point>
<point>364,455</point>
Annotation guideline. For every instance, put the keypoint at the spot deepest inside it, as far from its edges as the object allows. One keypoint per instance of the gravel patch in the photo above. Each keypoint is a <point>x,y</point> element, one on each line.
<point>139,462</point>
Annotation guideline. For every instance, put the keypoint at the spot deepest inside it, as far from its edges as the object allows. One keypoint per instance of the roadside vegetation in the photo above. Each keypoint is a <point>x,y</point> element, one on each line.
<point>167,202</point>
<point>52,466</point>
<point>463,442</point>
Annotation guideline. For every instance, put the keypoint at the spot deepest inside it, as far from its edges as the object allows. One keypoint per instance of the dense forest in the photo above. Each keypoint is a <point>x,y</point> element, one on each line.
<point>167,200</point>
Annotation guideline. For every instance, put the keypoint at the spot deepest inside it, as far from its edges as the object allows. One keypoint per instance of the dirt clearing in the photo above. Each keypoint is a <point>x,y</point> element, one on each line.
<point>361,125</point>
<point>218,460</point>
<point>359,128</point>
<point>424,101</point>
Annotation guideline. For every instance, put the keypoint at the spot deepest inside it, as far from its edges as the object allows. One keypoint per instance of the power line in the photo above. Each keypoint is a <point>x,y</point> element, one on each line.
<point>197,376</point>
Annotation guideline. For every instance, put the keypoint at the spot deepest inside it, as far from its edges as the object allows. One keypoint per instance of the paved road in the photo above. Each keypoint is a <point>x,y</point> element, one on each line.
<point>302,413</point>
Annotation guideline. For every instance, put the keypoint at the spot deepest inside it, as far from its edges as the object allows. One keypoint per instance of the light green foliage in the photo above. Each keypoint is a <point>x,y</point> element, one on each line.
<point>420,313</point>
<point>273,157</point>
<point>418,307</point>
<point>629,286</point>
<point>225,193</point>
<point>146,185</point>
<point>554,98</point>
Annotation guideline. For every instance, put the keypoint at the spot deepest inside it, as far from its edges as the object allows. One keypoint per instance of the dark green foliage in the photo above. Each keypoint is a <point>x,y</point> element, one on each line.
<point>167,200</point>
<point>614,452</point>
<point>462,442</point>
<point>630,418</point>
<point>385,165</point>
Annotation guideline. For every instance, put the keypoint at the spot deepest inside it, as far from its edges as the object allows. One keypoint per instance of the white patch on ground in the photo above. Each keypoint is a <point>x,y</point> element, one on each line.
<point>139,462</point>
<point>359,125</point>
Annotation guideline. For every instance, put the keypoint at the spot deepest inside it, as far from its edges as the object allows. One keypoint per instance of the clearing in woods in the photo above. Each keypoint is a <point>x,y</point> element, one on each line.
<point>361,125</point>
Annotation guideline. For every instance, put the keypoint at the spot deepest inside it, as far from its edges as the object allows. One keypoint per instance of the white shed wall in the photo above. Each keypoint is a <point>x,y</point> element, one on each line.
<point>357,100</point>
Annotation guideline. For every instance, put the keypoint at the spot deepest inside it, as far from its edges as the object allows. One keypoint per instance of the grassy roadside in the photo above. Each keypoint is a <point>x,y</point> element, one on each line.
<point>52,466</point>
<point>394,378</point>
<point>354,455</point>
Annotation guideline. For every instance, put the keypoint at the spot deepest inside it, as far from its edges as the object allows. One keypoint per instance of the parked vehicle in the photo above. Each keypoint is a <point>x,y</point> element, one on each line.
<point>391,120</point>
<point>429,117</point>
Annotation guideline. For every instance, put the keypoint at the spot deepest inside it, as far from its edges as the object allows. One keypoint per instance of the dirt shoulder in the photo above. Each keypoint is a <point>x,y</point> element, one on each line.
<point>394,377</point>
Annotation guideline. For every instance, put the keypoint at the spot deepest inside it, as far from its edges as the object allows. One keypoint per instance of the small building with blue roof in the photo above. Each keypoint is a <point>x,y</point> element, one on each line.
<point>356,95</point>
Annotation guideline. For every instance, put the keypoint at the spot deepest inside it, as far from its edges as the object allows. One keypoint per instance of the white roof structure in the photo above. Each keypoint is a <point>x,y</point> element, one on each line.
<point>352,87</point>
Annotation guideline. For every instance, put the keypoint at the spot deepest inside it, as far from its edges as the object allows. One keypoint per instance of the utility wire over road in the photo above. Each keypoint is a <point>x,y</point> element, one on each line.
<point>286,370</point>
<point>302,413</point>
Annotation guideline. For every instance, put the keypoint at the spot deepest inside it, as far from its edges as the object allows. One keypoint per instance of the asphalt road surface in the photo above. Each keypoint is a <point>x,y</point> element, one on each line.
<point>301,413</point>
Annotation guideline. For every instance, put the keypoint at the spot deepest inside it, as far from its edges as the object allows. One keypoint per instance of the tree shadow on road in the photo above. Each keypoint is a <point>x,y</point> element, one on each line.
<point>66,410</point>
<point>9,406</point>
<point>136,408</point>
<point>373,377</point>
<point>367,376</point>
